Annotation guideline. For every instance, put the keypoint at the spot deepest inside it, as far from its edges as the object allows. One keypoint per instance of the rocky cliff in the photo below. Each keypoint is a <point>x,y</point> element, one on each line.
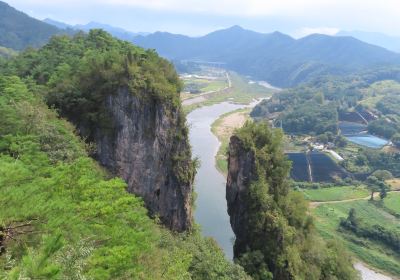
<point>125,100</point>
<point>241,171</point>
<point>148,147</point>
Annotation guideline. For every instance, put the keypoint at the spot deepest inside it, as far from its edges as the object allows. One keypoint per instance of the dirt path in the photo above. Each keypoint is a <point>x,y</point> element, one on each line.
<point>315,204</point>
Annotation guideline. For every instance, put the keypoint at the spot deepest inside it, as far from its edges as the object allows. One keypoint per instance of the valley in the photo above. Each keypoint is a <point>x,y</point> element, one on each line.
<point>230,154</point>
<point>325,192</point>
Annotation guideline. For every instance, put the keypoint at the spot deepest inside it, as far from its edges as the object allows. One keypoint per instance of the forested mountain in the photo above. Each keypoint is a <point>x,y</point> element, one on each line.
<point>276,58</point>
<point>380,39</point>
<point>18,30</point>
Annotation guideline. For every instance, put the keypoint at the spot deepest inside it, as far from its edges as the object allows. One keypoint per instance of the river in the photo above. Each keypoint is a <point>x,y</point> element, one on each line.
<point>211,207</point>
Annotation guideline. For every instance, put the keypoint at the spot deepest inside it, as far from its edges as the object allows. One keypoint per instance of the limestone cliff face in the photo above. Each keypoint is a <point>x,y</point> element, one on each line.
<point>148,147</point>
<point>241,171</point>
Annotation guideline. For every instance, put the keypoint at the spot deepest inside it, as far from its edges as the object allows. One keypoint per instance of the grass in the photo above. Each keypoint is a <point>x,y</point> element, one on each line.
<point>392,203</point>
<point>378,90</point>
<point>241,92</point>
<point>223,133</point>
<point>335,193</point>
<point>215,85</point>
<point>327,218</point>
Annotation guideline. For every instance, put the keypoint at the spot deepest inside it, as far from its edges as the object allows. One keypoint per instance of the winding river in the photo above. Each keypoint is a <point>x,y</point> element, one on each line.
<point>211,208</point>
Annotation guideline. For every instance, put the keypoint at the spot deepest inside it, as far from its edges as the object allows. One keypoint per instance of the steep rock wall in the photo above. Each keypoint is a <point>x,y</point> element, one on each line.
<point>148,147</point>
<point>241,171</point>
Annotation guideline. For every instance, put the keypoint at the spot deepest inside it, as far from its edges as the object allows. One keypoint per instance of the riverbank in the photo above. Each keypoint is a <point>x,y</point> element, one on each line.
<point>240,91</point>
<point>223,129</point>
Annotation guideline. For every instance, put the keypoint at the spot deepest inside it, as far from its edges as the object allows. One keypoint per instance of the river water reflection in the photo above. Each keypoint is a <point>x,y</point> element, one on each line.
<point>211,208</point>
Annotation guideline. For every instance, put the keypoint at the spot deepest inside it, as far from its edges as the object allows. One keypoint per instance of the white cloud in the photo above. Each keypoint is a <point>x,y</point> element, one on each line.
<point>371,15</point>
<point>245,7</point>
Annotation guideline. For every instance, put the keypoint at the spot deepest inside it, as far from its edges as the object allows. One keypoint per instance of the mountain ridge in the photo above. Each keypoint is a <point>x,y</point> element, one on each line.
<point>117,32</point>
<point>272,56</point>
<point>391,43</point>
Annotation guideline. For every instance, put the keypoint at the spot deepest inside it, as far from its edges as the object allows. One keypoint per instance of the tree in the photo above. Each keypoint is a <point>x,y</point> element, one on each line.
<point>383,175</point>
<point>375,184</point>
<point>396,140</point>
<point>271,217</point>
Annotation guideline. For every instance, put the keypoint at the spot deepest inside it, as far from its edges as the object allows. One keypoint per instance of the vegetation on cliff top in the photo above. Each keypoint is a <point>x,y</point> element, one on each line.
<point>63,217</point>
<point>78,73</point>
<point>281,241</point>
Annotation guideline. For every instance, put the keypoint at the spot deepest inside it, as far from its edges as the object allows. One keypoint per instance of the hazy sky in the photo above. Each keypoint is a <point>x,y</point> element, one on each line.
<point>197,17</point>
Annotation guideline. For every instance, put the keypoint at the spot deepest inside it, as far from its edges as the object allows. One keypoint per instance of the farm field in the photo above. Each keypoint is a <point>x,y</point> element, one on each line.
<point>299,171</point>
<point>392,203</point>
<point>241,92</point>
<point>375,254</point>
<point>323,167</point>
<point>204,85</point>
<point>335,193</point>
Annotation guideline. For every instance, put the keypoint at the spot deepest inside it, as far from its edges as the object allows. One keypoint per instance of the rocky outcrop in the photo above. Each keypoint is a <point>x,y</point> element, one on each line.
<point>241,171</point>
<point>147,145</point>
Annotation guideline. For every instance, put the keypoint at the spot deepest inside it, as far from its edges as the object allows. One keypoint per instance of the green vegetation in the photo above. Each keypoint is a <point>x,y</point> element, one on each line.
<point>280,240</point>
<point>195,85</point>
<point>328,217</point>
<point>7,53</point>
<point>19,31</point>
<point>335,193</point>
<point>78,73</point>
<point>63,217</point>
<point>383,127</point>
<point>224,131</point>
<point>276,57</point>
<point>392,203</point>
<point>310,118</point>
<point>302,110</point>
<point>369,160</point>
<point>241,92</point>
<point>377,233</point>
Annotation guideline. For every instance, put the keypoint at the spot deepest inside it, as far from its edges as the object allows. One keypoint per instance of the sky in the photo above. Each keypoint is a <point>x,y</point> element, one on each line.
<point>198,17</point>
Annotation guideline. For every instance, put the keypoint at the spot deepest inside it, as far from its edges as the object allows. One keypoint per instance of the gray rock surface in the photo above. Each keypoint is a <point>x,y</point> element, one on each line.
<point>148,147</point>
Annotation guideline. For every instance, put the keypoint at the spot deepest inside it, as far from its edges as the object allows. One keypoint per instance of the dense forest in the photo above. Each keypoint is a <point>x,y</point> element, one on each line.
<point>19,31</point>
<point>77,73</point>
<point>64,216</point>
<point>315,107</point>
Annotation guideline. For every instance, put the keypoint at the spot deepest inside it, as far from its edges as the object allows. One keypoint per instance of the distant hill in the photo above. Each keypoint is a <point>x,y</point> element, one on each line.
<point>58,24</point>
<point>18,30</point>
<point>276,57</point>
<point>115,31</point>
<point>375,38</point>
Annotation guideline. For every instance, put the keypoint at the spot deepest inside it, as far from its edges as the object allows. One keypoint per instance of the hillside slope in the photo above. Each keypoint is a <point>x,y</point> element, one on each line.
<point>276,57</point>
<point>125,100</point>
<point>18,30</point>
<point>63,217</point>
